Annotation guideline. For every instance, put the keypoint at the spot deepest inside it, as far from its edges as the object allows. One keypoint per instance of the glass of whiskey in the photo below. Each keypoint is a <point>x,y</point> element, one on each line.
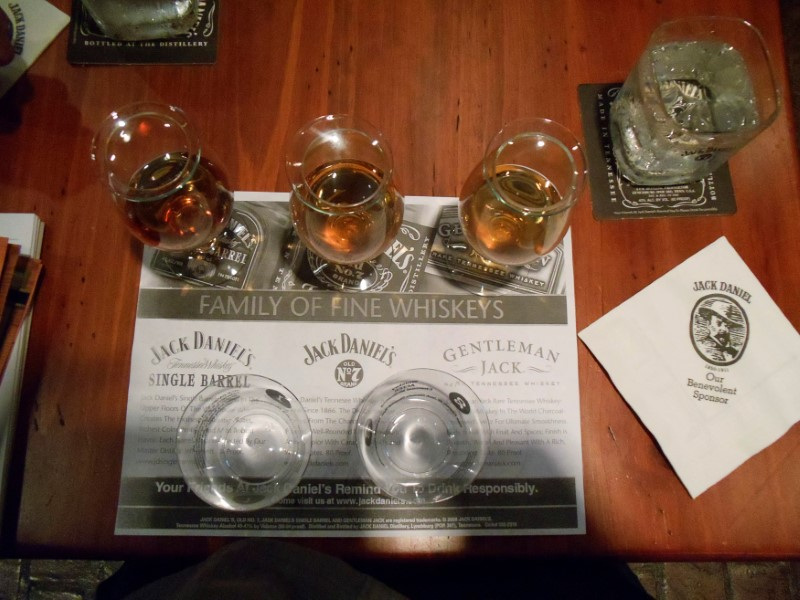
<point>345,207</point>
<point>516,204</point>
<point>166,187</point>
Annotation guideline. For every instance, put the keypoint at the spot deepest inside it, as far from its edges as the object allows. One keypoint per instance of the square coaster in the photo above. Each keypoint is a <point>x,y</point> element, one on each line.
<point>89,46</point>
<point>454,259</point>
<point>614,197</point>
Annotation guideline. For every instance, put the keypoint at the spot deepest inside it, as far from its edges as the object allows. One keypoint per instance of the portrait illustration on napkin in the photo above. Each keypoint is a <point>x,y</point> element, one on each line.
<point>715,375</point>
<point>719,327</point>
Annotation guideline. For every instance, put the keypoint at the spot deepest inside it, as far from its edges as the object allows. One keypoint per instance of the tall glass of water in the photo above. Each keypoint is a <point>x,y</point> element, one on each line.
<point>703,88</point>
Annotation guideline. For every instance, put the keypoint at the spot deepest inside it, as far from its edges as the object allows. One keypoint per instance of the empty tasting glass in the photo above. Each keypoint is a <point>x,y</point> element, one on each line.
<point>422,435</point>
<point>703,88</point>
<point>516,204</point>
<point>344,205</point>
<point>246,447</point>
<point>169,192</point>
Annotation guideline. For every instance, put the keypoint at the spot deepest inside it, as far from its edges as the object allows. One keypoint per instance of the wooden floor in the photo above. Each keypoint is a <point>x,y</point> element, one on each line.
<point>720,581</point>
<point>78,579</point>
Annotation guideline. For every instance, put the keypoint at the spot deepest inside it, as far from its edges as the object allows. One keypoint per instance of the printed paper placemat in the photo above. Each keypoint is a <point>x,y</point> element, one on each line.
<point>278,317</point>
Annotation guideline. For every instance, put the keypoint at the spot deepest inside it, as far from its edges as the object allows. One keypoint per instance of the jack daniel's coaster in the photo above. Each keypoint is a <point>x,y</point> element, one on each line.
<point>228,262</point>
<point>398,269</point>
<point>614,197</point>
<point>88,45</point>
<point>454,259</point>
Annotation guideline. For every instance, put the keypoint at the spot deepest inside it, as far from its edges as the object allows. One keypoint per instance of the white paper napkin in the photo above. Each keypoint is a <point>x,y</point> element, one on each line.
<point>707,360</point>
<point>35,24</point>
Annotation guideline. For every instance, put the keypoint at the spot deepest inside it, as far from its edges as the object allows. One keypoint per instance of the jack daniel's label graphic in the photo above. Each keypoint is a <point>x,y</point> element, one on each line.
<point>614,197</point>
<point>398,269</point>
<point>89,45</point>
<point>452,257</point>
<point>227,263</point>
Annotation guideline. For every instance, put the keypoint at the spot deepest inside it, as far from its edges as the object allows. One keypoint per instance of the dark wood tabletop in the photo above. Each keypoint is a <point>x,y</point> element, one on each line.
<point>439,78</point>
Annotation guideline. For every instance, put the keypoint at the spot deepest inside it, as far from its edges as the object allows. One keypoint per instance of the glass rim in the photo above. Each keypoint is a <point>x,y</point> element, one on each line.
<point>700,18</point>
<point>300,147</point>
<point>115,121</point>
<point>542,128</point>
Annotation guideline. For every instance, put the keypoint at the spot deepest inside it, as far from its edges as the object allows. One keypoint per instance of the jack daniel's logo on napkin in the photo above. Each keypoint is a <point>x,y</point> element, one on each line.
<point>715,376</point>
<point>719,329</point>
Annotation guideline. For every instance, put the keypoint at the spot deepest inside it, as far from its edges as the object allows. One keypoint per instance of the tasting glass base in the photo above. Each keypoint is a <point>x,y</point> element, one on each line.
<point>210,265</point>
<point>455,260</point>
<point>422,436</point>
<point>244,448</point>
<point>473,273</point>
<point>198,264</point>
<point>479,287</point>
<point>310,269</point>
<point>360,277</point>
<point>486,278</point>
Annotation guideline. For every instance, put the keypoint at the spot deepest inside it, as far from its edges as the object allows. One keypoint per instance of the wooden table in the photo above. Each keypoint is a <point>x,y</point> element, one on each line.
<point>439,78</point>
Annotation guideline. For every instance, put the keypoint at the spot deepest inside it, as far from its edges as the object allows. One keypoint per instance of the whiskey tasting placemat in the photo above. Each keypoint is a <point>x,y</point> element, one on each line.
<point>279,317</point>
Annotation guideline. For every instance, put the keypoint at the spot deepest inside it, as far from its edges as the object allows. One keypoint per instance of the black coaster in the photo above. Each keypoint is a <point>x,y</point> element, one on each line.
<point>613,197</point>
<point>453,258</point>
<point>89,46</point>
<point>225,264</point>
